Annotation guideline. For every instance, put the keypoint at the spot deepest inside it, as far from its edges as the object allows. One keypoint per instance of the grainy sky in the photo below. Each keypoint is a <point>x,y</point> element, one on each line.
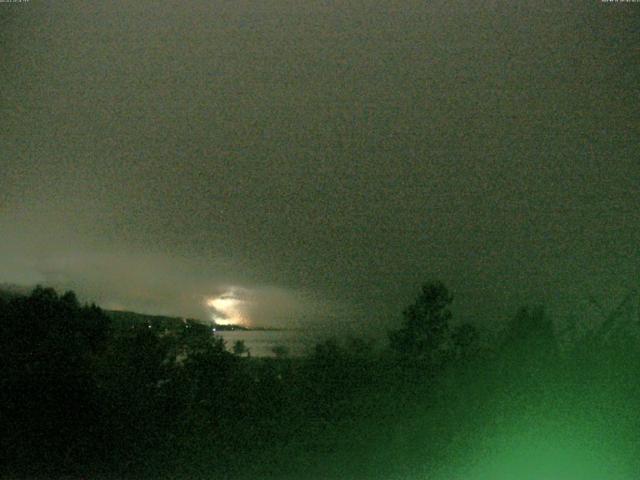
<point>320,159</point>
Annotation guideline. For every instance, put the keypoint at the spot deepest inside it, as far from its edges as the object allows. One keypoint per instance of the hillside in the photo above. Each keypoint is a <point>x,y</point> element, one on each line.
<point>123,318</point>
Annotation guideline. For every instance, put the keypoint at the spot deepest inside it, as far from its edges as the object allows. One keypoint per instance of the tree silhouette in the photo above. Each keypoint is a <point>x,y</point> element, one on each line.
<point>530,334</point>
<point>280,351</point>
<point>425,327</point>
<point>465,338</point>
<point>240,348</point>
<point>529,353</point>
<point>48,346</point>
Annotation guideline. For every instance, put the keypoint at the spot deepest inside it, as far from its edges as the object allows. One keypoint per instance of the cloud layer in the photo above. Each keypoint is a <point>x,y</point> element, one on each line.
<point>325,157</point>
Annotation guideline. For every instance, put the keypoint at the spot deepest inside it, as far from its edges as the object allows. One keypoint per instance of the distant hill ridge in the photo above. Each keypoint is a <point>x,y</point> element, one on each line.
<point>134,318</point>
<point>122,317</point>
<point>10,290</point>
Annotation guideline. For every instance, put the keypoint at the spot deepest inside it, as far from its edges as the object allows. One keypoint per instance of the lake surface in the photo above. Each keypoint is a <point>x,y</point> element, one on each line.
<point>261,342</point>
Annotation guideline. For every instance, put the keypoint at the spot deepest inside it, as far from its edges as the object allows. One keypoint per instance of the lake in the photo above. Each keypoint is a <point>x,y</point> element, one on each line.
<point>261,342</point>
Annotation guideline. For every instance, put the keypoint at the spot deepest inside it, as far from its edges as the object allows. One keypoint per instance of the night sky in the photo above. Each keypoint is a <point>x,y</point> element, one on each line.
<point>316,161</point>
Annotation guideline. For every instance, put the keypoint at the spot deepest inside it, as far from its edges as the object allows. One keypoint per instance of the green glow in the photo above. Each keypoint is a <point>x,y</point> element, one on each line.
<point>544,452</point>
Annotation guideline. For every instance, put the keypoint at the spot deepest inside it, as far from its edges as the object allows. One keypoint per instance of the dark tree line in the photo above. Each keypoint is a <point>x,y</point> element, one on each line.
<point>83,396</point>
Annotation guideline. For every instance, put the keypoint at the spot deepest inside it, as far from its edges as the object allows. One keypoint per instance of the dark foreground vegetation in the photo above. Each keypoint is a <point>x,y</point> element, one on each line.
<point>82,396</point>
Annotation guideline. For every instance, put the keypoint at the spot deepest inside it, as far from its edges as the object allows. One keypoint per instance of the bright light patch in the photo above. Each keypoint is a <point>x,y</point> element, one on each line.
<point>227,309</point>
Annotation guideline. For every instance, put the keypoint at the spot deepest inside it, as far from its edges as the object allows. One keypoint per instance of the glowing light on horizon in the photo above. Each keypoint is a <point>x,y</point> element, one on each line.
<point>227,309</point>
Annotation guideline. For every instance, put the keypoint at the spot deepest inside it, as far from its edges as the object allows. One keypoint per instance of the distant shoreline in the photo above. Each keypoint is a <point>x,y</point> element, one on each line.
<point>8,290</point>
<point>142,317</point>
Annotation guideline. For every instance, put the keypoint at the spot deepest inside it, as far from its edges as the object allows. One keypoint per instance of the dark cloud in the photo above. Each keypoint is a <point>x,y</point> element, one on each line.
<point>326,157</point>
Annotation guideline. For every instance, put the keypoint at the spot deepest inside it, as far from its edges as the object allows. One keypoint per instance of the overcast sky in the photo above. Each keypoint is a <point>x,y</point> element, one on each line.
<point>320,159</point>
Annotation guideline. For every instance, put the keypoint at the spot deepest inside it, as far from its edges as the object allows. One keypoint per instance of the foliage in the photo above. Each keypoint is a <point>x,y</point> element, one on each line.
<point>48,348</point>
<point>280,351</point>
<point>81,397</point>
<point>240,348</point>
<point>425,327</point>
